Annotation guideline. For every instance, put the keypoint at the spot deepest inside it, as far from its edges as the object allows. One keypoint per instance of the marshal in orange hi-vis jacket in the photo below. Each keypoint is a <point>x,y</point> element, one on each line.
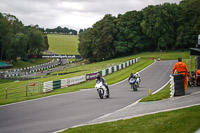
<point>182,69</point>
<point>197,76</point>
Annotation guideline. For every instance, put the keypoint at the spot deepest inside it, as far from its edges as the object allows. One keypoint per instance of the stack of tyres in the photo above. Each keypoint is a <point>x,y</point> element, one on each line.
<point>179,85</point>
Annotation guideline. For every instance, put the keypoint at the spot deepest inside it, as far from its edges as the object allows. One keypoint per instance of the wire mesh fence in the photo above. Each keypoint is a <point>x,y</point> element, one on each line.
<point>31,88</point>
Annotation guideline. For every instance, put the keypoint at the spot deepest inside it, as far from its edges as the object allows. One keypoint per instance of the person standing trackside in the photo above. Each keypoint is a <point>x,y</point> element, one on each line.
<point>198,77</point>
<point>182,69</point>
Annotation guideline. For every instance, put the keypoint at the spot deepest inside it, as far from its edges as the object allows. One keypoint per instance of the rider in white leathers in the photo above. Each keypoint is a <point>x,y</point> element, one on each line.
<point>101,79</point>
<point>138,78</point>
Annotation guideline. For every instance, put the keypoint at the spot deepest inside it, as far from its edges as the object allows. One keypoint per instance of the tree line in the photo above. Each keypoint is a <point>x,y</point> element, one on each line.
<point>18,41</point>
<point>61,30</point>
<point>154,28</point>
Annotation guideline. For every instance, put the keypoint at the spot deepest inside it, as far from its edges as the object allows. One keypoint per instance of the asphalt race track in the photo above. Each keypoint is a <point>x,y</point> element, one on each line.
<point>62,111</point>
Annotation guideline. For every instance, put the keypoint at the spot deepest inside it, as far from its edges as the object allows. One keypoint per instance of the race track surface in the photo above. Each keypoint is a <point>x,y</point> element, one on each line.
<point>62,111</point>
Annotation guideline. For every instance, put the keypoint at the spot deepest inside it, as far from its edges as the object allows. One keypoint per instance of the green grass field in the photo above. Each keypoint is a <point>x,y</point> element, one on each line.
<point>32,62</point>
<point>84,69</point>
<point>179,121</point>
<point>63,44</point>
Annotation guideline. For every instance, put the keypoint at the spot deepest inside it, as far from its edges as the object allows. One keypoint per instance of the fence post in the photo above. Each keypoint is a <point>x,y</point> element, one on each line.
<point>6,93</point>
<point>26,90</point>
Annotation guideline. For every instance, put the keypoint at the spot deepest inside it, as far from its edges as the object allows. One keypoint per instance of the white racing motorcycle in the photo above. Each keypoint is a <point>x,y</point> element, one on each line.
<point>102,90</point>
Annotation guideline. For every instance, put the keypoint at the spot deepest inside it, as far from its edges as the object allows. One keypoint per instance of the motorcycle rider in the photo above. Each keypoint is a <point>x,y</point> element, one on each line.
<point>101,79</point>
<point>138,77</point>
<point>131,76</point>
<point>135,76</point>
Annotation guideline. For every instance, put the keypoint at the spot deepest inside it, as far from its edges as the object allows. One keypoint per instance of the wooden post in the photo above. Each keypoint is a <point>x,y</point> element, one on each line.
<point>26,90</point>
<point>6,93</point>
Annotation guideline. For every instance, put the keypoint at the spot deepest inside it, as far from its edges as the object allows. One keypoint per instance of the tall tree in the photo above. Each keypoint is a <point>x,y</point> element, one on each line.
<point>3,35</point>
<point>36,42</point>
<point>160,24</point>
<point>129,38</point>
<point>189,24</point>
<point>104,35</point>
<point>85,44</point>
<point>17,47</point>
<point>97,43</point>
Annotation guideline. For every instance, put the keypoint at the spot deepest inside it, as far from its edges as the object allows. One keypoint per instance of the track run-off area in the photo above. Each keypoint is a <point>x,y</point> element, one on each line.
<point>62,111</point>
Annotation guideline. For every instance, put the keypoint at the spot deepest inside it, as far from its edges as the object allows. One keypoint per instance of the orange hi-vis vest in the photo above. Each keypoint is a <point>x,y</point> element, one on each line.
<point>198,73</point>
<point>181,68</point>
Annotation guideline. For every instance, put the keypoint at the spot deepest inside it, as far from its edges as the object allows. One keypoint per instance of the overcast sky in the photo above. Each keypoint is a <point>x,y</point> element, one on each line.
<point>74,14</point>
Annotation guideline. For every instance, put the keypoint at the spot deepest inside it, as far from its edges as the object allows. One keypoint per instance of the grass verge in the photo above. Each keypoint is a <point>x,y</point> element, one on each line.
<point>179,121</point>
<point>162,94</point>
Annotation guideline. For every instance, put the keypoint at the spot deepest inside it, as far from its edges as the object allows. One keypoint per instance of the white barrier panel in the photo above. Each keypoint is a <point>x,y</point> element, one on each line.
<point>63,83</point>
<point>120,66</point>
<point>133,61</point>
<point>127,63</point>
<point>124,65</point>
<point>172,91</point>
<point>76,80</point>
<point>110,70</point>
<point>115,68</point>
<point>48,86</point>
<point>104,73</point>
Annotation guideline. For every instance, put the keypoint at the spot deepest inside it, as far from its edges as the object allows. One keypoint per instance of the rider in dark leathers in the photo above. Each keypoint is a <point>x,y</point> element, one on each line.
<point>131,76</point>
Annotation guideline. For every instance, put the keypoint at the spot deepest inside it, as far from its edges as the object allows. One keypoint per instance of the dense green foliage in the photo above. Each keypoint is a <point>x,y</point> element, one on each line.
<point>161,27</point>
<point>98,43</point>
<point>61,30</point>
<point>18,41</point>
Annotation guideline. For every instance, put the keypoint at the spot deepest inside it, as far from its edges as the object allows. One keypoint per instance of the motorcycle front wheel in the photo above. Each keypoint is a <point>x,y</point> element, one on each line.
<point>101,92</point>
<point>134,87</point>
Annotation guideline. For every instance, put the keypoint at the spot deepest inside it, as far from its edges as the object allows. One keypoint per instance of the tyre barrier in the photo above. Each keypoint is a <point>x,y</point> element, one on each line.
<point>178,85</point>
<point>172,90</point>
<point>48,86</point>
<point>28,70</point>
<point>57,84</point>
<point>51,85</point>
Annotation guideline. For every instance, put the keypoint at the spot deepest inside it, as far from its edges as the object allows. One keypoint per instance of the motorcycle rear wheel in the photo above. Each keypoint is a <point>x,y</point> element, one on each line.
<point>108,93</point>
